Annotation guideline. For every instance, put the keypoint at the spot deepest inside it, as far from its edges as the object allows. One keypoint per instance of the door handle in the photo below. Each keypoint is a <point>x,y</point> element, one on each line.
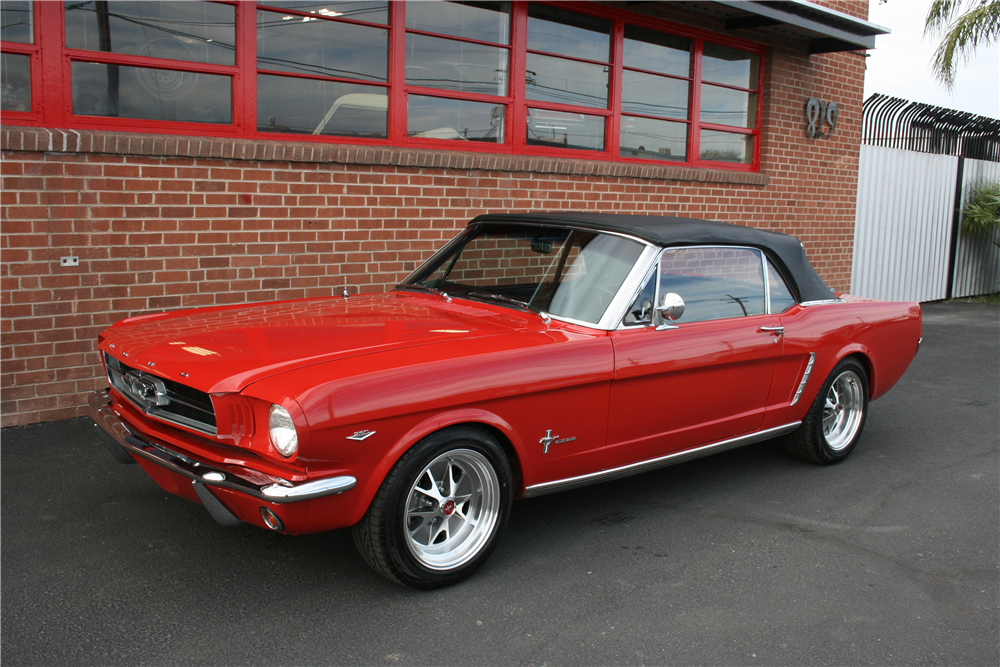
<point>777,331</point>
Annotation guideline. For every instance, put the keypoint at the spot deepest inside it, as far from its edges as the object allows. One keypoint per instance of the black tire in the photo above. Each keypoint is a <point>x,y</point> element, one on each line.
<point>833,425</point>
<point>436,517</point>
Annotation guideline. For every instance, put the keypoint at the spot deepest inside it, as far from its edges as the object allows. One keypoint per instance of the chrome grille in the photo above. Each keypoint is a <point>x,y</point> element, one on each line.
<point>162,398</point>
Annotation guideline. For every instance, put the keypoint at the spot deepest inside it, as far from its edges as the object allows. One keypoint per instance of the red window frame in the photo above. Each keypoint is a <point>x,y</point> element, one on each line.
<point>52,87</point>
<point>33,51</point>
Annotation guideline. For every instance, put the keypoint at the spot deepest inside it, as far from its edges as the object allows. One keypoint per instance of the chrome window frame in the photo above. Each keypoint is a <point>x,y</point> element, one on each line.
<point>655,264</point>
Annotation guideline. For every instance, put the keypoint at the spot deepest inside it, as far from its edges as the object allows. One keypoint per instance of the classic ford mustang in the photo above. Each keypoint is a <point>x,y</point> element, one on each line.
<point>533,353</point>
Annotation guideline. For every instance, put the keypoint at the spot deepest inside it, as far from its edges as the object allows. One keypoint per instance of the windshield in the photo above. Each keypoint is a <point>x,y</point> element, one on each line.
<point>568,273</point>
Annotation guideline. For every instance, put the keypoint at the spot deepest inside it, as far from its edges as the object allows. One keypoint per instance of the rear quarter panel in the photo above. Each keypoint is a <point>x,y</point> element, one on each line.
<point>884,334</point>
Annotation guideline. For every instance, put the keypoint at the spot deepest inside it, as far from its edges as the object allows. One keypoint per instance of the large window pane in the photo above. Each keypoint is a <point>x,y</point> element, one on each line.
<point>568,34</point>
<point>200,32</point>
<point>371,12</point>
<point>654,95</point>
<point>565,130</point>
<point>726,147</point>
<point>447,64</point>
<point>483,21</point>
<point>311,106</point>
<point>155,94</point>
<point>15,82</point>
<point>322,47</point>
<point>656,51</point>
<point>732,67</point>
<point>724,106</point>
<point>653,139</point>
<point>564,81</point>
<point>16,22</point>
<point>439,118</point>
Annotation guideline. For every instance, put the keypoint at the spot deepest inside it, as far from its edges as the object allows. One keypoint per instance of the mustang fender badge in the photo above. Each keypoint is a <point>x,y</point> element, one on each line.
<point>549,439</point>
<point>361,435</point>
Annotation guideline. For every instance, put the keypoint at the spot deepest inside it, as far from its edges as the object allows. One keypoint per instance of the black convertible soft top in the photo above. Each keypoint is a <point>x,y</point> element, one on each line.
<point>666,231</point>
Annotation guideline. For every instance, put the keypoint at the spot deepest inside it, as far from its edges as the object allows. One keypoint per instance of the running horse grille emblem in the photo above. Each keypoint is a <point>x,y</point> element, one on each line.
<point>142,388</point>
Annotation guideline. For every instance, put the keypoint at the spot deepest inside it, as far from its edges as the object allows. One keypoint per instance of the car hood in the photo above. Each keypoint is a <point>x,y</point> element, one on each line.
<point>227,348</point>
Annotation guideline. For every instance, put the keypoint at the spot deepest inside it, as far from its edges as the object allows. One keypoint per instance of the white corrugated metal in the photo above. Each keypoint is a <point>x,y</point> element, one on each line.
<point>977,264</point>
<point>902,230</point>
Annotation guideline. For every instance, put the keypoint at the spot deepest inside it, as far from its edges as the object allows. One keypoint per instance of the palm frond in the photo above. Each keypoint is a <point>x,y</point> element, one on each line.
<point>981,217</point>
<point>961,35</point>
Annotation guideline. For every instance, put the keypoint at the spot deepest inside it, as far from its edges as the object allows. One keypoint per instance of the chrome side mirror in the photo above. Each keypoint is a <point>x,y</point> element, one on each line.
<point>671,306</point>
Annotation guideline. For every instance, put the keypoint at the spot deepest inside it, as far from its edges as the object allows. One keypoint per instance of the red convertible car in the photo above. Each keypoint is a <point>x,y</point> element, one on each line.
<point>533,353</point>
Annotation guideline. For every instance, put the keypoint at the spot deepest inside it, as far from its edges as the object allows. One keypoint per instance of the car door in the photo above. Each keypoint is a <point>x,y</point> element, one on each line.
<point>704,377</point>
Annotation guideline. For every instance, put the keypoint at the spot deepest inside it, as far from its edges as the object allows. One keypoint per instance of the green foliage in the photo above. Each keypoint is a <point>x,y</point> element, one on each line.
<point>981,217</point>
<point>963,26</point>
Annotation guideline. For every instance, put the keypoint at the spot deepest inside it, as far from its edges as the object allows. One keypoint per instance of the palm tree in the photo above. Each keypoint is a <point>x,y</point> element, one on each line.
<point>982,215</point>
<point>963,25</point>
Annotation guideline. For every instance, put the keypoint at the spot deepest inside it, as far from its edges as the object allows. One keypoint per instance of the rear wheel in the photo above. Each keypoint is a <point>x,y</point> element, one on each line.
<point>836,418</point>
<point>436,518</point>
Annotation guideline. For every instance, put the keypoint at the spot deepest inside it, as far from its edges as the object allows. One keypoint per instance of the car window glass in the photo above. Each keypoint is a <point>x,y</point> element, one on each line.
<point>568,273</point>
<point>781,296</point>
<point>641,311</point>
<point>715,283</point>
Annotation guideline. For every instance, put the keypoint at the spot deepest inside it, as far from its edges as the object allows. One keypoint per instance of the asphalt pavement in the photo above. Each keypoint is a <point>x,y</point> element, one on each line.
<point>744,558</point>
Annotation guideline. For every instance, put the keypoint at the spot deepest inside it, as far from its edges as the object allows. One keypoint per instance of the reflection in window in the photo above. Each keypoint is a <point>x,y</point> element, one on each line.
<point>441,118</point>
<point>654,95</point>
<point>482,21</point>
<point>154,94</point>
<point>564,81</point>
<point>781,296</point>
<point>311,106</point>
<point>726,147</point>
<point>16,22</point>
<point>15,82</point>
<point>641,310</point>
<point>192,31</point>
<point>565,130</point>
<point>370,12</point>
<point>725,106</point>
<point>326,48</point>
<point>576,35</point>
<point>568,273</point>
<point>715,283</point>
<point>648,139</point>
<point>452,65</point>
<point>721,64</point>
<point>656,51</point>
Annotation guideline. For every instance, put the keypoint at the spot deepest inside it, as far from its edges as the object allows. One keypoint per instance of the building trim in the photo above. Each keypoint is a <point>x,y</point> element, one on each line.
<point>45,140</point>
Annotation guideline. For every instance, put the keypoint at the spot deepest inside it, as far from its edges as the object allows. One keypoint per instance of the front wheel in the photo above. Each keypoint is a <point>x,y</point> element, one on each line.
<point>437,515</point>
<point>833,425</point>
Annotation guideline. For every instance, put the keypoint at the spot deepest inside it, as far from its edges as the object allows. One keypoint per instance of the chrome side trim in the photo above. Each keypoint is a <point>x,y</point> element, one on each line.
<point>821,302</point>
<point>660,462</point>
<point>805,378</point>
<point>262,486</point>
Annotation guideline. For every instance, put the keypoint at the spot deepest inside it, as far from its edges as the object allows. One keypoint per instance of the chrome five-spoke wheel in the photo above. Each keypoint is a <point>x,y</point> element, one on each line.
<point>436,517</point>
<point>833,425</point>
<point>451,509</point>
<point>842,411</point>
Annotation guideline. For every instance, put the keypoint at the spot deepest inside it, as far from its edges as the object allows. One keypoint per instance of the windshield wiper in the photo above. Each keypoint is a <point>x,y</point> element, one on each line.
<point>424,288</point>
<point>520,304</point>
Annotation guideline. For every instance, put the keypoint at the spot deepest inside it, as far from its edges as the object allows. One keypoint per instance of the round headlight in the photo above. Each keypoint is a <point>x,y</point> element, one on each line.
<point>282,431</point>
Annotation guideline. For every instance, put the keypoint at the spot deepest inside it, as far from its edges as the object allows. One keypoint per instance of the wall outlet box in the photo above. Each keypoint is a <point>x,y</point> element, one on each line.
<point>69,261</point>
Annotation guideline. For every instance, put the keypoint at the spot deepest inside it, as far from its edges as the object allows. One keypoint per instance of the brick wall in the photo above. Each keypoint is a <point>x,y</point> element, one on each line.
<point>172,222</point>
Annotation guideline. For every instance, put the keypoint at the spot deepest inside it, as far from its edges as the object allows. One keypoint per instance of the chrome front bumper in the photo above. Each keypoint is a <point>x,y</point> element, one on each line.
<point>123,442</point>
